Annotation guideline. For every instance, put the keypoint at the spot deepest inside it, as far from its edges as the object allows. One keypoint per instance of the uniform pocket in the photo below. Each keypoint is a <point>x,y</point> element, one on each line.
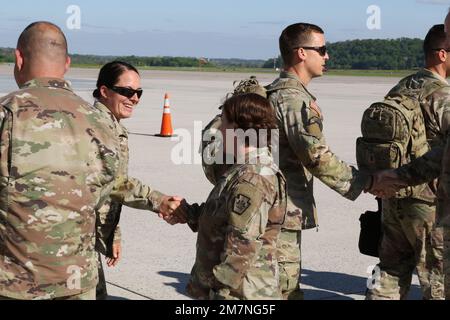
<point>374,156</point>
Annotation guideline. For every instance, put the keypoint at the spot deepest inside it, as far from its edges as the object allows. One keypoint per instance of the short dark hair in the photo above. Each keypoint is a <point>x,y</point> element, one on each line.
<point>250,111</point>
<point>435,39</point>
<point>294,36</point>
<point>110,73</point>
<point>43,39</point>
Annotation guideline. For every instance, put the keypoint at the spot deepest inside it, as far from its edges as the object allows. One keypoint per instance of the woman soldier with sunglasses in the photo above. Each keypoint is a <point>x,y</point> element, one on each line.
<point>117,94</point>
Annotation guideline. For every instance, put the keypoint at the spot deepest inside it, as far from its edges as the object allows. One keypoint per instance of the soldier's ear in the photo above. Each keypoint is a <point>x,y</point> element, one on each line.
<point>444,55</point>
<point>103,92</point>
<point>19,59</point>
<point>301,54</point>
<point>67,64</point>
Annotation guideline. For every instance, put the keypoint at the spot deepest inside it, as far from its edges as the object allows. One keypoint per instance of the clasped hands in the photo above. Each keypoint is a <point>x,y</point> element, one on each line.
<point>386,184</point>
<point>173,210</point>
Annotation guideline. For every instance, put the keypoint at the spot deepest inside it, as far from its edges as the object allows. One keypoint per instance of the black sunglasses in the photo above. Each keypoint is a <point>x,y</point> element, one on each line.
<point>321,50</point>
<point>127,92</point>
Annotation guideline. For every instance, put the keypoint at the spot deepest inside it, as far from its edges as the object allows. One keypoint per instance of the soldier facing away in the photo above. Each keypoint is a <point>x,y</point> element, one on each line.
<point>58,161</point>
<point>435,163</point>
<point>410,238</point>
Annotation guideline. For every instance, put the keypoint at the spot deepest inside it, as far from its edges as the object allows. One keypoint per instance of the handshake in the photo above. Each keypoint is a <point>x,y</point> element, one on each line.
<point>385,184</point>
<point>174,210</point>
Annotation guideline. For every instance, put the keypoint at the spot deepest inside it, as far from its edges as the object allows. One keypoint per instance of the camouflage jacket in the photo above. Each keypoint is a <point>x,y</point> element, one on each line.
<point>424,86</point>
<point>127,191</point>
<point>443,205</point>
<point>304,153</point>
<point>238,228</point>
<point>436,109</point>
<point>58,161</point>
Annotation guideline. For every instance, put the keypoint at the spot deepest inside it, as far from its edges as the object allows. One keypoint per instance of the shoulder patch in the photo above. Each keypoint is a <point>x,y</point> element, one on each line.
<point>241,203</point>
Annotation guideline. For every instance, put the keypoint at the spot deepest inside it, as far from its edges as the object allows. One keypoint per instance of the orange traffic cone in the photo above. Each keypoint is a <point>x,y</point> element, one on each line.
<point>166,126</point>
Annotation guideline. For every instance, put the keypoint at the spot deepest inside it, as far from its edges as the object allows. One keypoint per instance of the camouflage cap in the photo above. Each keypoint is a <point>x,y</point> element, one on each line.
<point>250,85</point>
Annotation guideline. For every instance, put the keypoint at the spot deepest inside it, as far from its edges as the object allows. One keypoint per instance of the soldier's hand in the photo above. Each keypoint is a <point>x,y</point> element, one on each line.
<point>386,184</point>
<point>117,255</point>
<point>173,210</point>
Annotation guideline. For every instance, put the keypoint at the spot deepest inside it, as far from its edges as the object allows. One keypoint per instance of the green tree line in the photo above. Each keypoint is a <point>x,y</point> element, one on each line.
<point>373,54</point>
<point>7,55</point>
<point>143,61</point>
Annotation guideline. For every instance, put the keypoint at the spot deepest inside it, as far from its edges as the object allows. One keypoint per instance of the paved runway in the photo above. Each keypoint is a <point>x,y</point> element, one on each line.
<point>157,258</point>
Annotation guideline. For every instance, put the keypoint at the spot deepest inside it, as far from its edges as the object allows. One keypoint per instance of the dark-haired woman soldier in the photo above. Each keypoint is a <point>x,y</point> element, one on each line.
<point>239,225</point>
<point>118,93</point>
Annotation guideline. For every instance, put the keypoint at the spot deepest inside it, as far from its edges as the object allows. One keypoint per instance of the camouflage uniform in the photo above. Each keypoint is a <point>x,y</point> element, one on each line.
<point>127,191</point>
<point>238,228</point>
<point>444,203</point>
<point>410,238</point>
<point>58,162</point>
<point>303,154</point>
<point>436,164</point>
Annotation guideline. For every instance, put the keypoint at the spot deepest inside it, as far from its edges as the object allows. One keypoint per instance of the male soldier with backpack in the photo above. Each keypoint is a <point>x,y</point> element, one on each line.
<point>397,131</point>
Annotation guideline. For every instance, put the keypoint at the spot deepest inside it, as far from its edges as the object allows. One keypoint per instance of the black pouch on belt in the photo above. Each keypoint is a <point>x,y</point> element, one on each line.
<point>371,233</point>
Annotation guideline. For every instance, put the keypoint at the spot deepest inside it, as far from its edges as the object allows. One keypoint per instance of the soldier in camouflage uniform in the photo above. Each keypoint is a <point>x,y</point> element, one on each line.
<point>303,151</point>
<point>443,209</point>
<point>118,92</point>
<point>239,225</point>
<point>410,238</point>
<point>57,161</point>
<point>210,146</point>
<point>435,163</point>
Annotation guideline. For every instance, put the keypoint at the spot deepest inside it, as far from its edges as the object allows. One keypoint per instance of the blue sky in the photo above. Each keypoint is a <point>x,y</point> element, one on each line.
<point>233,28</point>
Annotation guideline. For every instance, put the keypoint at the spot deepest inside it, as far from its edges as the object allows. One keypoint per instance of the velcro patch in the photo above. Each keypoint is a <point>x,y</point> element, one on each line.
<point>241,203</point>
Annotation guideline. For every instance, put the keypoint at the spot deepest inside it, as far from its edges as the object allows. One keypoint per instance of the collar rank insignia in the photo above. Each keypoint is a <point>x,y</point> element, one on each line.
<point>241,203</point>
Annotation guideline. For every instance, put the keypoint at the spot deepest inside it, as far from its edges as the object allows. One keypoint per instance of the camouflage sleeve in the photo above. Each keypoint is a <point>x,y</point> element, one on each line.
<point>303,127</point>
<point>5,135</point>
<point>107,226</point>
<point>248,210</point>
<point>117,235</point>
<point>440,101</point>
<point>423,169</point>
<point>443,207</point>
<point>193,215</point>
<point>134,194</point>
<point>437,115</point>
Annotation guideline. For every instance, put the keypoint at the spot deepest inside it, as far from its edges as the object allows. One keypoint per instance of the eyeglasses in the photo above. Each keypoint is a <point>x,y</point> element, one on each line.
<point>321,50</point>
<point>127,92</point>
